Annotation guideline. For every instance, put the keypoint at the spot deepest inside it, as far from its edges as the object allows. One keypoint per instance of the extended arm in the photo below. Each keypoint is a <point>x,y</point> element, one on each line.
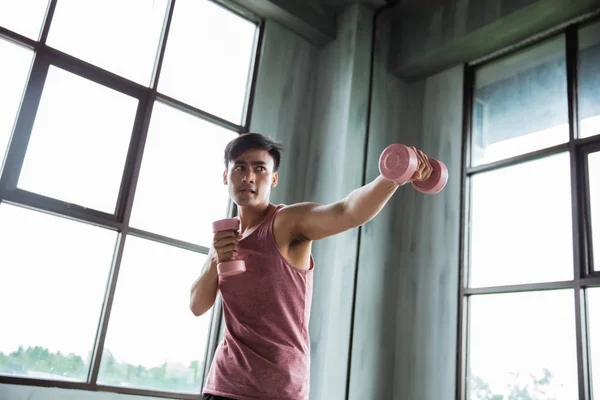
<point>315,221</point>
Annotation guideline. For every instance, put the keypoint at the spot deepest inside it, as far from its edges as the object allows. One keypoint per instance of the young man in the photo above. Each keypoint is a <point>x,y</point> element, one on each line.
<point>265,353</point>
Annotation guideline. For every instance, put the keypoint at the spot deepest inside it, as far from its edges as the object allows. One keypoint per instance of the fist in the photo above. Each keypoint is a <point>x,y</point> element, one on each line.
<point>424,167</point>
<point>225,245</point>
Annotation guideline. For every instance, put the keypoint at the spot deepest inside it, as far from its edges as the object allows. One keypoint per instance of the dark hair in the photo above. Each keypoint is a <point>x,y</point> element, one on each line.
<point>252,141</point>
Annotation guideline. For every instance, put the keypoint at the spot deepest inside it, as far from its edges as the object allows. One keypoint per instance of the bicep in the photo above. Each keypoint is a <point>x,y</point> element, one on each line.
<point>315,221</point>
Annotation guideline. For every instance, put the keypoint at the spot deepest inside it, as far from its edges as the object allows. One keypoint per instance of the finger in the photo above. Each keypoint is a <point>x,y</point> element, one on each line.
<point>227,255</point>
<point>427,168</point>
<point>225,243</point>
<point>229,247</point>
<point>224,234</point>
<point>419,171</point>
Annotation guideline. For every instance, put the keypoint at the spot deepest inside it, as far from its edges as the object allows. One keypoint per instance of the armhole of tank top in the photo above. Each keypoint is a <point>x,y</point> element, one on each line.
<point>274,242</point>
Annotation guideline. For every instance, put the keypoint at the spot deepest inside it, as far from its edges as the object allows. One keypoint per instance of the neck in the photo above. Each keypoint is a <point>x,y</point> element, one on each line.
<point>252,216</point>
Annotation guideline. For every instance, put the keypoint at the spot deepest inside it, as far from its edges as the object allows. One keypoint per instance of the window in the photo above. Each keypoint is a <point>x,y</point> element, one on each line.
<point>109,150</point>
<point>594,188</point>
<point>530,303</point>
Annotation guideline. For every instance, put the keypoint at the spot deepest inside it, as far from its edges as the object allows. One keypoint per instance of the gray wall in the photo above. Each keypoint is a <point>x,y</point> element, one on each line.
<point>406,317</point>
<point>283,106</point>
<point>405,321</point>
<point>314,101</point>
<point>335,166</point>
<point>430,36</point>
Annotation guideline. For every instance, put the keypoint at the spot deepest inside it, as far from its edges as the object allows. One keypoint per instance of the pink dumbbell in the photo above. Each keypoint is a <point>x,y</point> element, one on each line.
<point>234,265</point>
<point>398,163</point>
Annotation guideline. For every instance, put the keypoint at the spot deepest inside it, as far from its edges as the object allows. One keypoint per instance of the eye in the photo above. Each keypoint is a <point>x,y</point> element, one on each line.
<point>262,169</point>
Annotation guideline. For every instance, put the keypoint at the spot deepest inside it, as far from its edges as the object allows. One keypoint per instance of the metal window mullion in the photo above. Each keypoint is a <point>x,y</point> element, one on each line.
<point>94,73</point>
<point>15,155</point>
<point>77,385</point>
<point>579,258</point>
<point>105,313</point>
<point>196,112</point>
<point>519,159</point>
<point>167,240</point>
<point>520,288</point>
<point>47,21</point>
<point>164,37</point>
<point>38,202</point>
<point>18,39</point>
<point>133,161</point>
<point>464,235</point>
<point>124,206</point>
<point>253,71</point>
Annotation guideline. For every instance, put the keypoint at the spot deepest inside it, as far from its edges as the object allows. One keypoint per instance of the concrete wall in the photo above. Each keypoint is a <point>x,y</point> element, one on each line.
<point>314,101</point>
<point>335,167</point>
<point>406,305</point>
<point>406,317</point>
<point>283,106</point>
<point>438,34</point>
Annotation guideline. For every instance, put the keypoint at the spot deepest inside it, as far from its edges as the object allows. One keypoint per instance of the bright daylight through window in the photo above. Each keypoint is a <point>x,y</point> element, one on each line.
<point>111,140</point>
<point>532,224</point>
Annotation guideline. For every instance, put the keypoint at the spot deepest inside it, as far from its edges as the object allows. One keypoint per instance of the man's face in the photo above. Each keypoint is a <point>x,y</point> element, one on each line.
<point>250,178</point>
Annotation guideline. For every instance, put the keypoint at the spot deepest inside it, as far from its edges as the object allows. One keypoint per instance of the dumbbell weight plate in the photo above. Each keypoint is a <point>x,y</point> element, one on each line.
<point>398,163</point>
<point>231,267</point>
<point>227,224</point>
<point>437,180</point>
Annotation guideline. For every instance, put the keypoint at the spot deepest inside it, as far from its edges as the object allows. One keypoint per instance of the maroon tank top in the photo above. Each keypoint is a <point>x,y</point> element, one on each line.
<point>265,353</point>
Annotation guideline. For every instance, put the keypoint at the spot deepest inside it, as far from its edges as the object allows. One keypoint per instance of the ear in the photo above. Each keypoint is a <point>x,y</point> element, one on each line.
<point>275,179</point>
<point>225,177</point>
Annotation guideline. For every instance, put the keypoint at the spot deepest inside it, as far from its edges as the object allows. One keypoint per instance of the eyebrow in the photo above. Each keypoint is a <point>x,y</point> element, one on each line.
<point>239,162</point>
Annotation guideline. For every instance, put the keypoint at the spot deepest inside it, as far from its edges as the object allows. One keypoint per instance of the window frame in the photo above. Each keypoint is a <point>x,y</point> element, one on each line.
<point>45,56</point>
<point>578,149</point>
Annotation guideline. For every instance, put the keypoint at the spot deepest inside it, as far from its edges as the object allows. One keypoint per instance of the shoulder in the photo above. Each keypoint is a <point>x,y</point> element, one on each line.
<point>290,217</point>
<point>296,210</point>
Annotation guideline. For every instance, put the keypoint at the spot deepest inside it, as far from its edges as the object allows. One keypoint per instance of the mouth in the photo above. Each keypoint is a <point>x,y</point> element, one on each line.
<point>247,190</point>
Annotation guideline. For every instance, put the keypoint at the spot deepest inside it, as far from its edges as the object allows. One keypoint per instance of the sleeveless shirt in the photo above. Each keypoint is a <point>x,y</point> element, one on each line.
<point>265,352</point>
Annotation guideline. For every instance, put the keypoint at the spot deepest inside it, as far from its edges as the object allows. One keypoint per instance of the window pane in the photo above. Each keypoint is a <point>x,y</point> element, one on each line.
<point>589,80</point>
<point>128,48</point>
<point>153,340</point>
<point>24,17</point>
<point>53,276</point>
<point>208,57</point>
<point>522,346</point>
<point>79,142</point>
<point>14,71</point>
<point>520,103</point>
<point>521,224</point>
<point>594,182</point>
<point>180,189</point>
<point>593,298</point>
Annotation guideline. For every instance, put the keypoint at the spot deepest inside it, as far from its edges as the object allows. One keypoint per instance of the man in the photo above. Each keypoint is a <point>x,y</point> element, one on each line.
<point>265,353</point>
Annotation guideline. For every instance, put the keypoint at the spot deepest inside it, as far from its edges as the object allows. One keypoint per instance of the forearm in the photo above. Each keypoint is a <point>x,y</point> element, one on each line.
<point>204,289</point>
<point>364,203</point>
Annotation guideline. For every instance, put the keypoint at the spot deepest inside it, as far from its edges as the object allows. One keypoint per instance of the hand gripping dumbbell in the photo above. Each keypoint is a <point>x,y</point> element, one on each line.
<point>398,163</point>
<point>234,265</point>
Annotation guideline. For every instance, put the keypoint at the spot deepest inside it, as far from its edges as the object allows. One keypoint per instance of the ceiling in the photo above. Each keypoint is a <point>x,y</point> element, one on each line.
<point>333,7</point>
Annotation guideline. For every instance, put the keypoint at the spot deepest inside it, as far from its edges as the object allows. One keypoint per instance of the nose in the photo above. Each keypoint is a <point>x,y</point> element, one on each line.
<point>248,177</point>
